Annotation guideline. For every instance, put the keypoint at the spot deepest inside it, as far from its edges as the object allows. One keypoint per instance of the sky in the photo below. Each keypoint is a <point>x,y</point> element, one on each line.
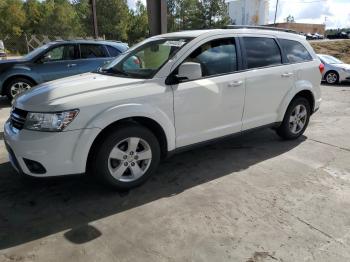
<point>335,13</point>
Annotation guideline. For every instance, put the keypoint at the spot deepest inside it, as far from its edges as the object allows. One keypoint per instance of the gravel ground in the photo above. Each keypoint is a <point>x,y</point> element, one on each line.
<point>252,198</point>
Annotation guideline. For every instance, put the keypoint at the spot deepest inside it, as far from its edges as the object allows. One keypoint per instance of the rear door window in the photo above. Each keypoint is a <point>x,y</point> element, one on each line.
<point>92,51</point>
<point>261,52</point>
<point>295,51</point>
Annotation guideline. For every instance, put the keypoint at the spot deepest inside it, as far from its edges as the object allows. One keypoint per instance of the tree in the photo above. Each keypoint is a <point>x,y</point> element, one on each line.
<point>138,29</point>
<point>12,17</point>
<point>290,19</point>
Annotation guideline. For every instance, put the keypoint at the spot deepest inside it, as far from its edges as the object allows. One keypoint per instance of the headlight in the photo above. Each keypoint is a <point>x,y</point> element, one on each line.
<point>51,122</point>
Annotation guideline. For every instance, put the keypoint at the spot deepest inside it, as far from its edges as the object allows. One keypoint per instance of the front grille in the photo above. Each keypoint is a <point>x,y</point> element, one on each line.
<point>18,118</point>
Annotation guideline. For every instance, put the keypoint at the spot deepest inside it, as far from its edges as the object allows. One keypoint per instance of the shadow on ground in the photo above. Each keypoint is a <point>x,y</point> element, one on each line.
<point>4,102</point>
<point>35,209</point>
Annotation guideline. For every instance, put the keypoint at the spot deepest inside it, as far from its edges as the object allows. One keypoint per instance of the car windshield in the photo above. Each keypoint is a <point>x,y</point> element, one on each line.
<point>36,51</point>
<point>144,60</point>
<point>331,60</point>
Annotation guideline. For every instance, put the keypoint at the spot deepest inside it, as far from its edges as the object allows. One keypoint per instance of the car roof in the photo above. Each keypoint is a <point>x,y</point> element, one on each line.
<point>262,31</point>
<point>118,44</point>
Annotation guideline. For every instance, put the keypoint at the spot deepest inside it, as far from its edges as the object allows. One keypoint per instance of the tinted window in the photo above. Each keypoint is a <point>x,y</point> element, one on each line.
<point>92,51</point>
<point>262,52</point>
<point>63,52</point>
<point>295,51</point>
<point>216,57</point>
<point>113,51</point>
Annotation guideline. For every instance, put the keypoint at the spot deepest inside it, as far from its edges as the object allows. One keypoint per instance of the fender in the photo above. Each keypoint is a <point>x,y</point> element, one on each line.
<point>300,85</point>
<point>113,114</point>
<point>19,70</point>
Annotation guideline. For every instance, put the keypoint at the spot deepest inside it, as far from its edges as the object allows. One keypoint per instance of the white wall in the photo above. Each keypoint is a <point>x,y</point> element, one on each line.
<point>249,12</point>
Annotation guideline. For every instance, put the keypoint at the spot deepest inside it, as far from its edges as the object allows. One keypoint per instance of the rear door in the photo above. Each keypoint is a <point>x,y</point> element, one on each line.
<point>58,62</point>
<point>92,56</point>
<point>268,80</point>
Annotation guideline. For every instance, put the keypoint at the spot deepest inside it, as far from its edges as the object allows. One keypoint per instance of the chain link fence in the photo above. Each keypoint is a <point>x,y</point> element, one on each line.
<point>18,45</point>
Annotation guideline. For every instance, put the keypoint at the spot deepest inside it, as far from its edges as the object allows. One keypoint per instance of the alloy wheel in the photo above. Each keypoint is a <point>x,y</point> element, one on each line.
<point>297,119</point>
<point>332,78</point>
<point>130,159</point>
<point>18,88</point>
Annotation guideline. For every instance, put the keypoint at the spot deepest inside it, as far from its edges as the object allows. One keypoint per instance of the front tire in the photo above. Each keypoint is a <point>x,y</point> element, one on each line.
<point>296,119</point>
<point>127,157</point>
<point>17,86</point>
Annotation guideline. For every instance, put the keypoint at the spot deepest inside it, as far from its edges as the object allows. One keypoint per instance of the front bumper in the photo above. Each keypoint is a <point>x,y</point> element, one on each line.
<point>344,76</point>
<point>60,153</point>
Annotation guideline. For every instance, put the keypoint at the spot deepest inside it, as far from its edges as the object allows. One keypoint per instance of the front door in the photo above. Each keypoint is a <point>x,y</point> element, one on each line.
<point>211,106</point>
<point>58,62</point>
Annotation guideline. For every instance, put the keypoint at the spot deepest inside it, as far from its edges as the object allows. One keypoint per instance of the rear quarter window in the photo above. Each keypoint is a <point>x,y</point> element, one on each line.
<point>113,52</point>
<point>295,51</point>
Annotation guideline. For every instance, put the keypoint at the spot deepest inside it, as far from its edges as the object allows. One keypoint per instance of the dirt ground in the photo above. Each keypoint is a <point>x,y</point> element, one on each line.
<point>337,48</point>
<point>252,198</point>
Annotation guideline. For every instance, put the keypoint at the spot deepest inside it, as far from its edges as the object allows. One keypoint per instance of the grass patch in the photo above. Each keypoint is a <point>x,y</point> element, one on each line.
<point>340,49</point>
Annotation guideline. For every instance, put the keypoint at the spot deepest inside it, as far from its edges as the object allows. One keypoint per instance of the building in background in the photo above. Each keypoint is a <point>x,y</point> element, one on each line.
<point>248,12</point>
<point>302,27</point>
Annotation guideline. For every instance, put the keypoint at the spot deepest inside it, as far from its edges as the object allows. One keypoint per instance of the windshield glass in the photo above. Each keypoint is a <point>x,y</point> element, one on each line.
<point>36,51</point>
<point>144,60</point>
<point>331,60</point>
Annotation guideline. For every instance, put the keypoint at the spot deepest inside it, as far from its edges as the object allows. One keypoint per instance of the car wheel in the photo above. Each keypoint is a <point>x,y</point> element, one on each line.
<point>295,119</point>
<point>332,77</point>
<point>127,157</point>
<point>18,86</point>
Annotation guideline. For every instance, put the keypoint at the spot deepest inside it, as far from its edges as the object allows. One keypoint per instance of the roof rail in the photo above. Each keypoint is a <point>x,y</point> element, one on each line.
<point>262,28</point>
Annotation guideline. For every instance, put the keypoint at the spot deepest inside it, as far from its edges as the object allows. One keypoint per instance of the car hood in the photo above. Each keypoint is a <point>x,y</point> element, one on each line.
<point>55,95</point>
<point>4,64</point>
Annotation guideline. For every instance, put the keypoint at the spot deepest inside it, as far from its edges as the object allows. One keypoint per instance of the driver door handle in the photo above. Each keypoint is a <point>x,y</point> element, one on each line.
<point>71,65</point>
<point>235,83</point>
<point>287,75</point>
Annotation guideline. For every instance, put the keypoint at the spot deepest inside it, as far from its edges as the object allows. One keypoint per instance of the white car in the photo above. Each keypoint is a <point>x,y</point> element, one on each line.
<point>335,71</point>
<point>179,90</point>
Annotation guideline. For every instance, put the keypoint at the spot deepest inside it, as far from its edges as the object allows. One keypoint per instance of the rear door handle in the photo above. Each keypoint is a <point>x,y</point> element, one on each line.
<point>235,83</point>
<point>71,65</point>
<point>287,75</point>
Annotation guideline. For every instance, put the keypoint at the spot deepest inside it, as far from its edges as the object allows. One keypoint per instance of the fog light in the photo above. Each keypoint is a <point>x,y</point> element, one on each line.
<point>34,167</point>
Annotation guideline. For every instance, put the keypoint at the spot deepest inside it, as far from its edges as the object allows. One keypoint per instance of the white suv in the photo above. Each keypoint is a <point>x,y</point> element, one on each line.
<point>168,92</point>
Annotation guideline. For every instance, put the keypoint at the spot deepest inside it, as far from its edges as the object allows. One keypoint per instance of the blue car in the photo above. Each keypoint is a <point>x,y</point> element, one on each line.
<point>55,60</point>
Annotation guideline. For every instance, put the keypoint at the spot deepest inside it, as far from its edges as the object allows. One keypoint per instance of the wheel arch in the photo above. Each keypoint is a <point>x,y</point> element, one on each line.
<point>330,71</point>
<point>147,122</point>
<point>10,78</point>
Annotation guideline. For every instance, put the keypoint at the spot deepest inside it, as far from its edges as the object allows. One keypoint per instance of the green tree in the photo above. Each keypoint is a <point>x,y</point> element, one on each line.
<point>138,29</point>
<point>12,17</point>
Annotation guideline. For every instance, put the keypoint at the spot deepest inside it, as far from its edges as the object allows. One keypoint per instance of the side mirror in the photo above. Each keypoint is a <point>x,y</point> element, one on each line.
<point>190,71</point>
<point>46,58</point>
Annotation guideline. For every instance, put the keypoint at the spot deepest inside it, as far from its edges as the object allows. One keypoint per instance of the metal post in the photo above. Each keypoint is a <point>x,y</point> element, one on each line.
<point>276,12</point>
<point>157,16</point>
<point>94,18</point>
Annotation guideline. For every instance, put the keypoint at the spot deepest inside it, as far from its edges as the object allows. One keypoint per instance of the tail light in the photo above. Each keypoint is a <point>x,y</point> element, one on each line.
<point>321,67</point>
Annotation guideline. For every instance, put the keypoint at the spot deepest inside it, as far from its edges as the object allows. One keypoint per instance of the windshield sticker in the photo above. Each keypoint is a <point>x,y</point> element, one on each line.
<point>175,43</point>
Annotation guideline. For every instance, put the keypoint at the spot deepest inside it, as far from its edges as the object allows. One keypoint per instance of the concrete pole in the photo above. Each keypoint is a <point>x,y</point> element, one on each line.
<point>157,16</point>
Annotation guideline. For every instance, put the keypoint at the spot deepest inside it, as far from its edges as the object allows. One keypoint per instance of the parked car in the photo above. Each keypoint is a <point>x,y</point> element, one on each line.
<point>55,60</point>
<point>186,88</point>
<point>335,70</point>
<point>2,49</point>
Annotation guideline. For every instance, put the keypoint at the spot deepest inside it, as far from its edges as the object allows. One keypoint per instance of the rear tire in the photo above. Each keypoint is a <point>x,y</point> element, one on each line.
<point>127,157</point>
<point>20,84</point>
<point>332,77</point>
<point>296,119</point>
